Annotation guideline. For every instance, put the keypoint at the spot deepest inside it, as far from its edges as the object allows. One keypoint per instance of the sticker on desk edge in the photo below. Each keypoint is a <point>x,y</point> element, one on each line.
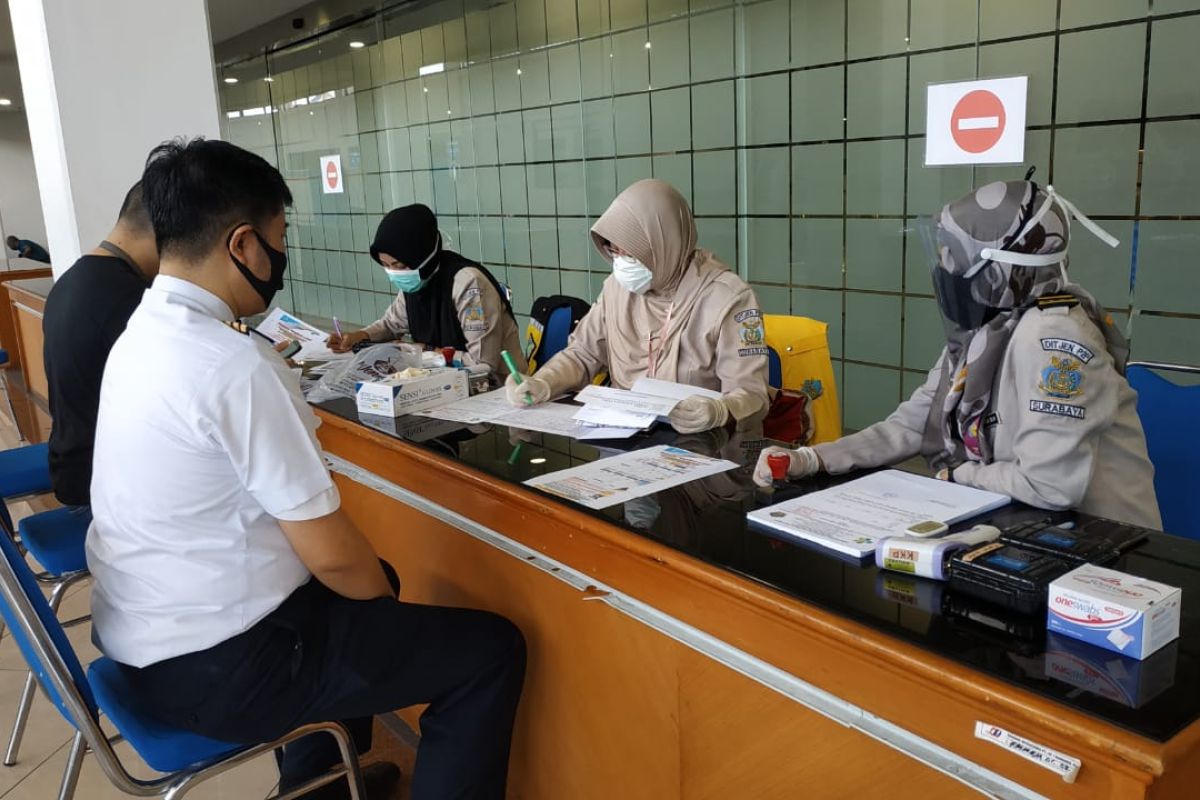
<point>1066,766</point>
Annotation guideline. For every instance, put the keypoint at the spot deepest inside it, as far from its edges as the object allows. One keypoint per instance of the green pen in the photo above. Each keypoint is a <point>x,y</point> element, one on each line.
<point>512,368</point>
<point>516,453</point>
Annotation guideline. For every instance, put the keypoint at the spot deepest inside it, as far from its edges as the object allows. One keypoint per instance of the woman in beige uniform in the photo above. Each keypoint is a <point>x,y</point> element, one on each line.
<point>668,311</point>
<point>1029,397</point>
<point>445,300</point>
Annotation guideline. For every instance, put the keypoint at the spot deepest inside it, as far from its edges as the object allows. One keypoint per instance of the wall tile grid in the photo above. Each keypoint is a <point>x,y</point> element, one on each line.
<point>794,127</point>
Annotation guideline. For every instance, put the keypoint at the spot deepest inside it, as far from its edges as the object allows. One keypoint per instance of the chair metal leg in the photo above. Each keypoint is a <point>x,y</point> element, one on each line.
<point>22,718</point>
<point>350,759</point>
<point>74,764</point>
<point>12,412</point>
<point>18,730</point>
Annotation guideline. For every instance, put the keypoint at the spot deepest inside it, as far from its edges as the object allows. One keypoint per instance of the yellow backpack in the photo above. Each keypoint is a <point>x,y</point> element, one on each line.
<point>801,368</point>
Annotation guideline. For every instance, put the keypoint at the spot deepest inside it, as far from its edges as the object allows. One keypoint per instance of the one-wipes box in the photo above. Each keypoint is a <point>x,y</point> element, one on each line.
<point>1124,613</point>
<point>394,396</point>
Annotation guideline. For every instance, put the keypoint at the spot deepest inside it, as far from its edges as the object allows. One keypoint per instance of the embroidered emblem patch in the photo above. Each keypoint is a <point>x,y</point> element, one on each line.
<point>1062,378</point>
<point>812,388</point>
<point>1071,348</point>
<point>473,319</point>
<point>1059,409</point>
<point>751,334</point>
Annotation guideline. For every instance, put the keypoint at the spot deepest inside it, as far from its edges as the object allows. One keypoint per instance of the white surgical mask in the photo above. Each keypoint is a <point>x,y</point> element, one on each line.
<point>632,274</point>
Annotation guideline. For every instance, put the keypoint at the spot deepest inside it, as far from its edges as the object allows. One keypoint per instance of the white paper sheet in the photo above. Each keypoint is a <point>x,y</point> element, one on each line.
<point>618,478</point>
<point>606,397</point>
<point>493,407</point>
<point>676,391</point>
<point>475,410</point>
<point>607,417</point>
<point>280,325</point>
<point>853,517</point>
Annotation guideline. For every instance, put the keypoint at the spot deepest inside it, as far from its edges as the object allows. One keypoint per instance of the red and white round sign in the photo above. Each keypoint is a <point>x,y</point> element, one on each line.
<point>977,121</point>
<point>331,174</point>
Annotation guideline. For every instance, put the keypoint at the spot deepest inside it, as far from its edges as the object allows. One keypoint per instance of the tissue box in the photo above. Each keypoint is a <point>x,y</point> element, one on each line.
<point>392,397</point>
<point>1123,613</point>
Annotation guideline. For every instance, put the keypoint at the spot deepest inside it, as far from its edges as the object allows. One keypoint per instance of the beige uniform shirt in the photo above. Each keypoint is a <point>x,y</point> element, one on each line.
<point>486,324</point>
<point>1057,443</point>
<point>721,348</point>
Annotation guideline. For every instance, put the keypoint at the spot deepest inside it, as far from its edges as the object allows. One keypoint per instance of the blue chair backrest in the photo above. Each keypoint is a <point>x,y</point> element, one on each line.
<point>774,369</point>
<point>28,585</point>
<point>1170,416</point>
<point>558,330</point>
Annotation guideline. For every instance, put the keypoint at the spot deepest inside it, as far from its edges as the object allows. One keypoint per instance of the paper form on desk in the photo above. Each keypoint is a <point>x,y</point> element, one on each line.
<point>493,408</point>
<point>280,325</point>
<point>608,398</point>
<point>852,517</point>
<point>618,478</point>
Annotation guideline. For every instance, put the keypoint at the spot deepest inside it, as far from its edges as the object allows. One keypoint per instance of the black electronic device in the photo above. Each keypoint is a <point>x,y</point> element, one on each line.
<point>1098,541</point>
<point>1007,575</point>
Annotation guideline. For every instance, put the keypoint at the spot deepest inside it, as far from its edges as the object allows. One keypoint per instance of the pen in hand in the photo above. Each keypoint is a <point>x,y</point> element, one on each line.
<point>512,368</point>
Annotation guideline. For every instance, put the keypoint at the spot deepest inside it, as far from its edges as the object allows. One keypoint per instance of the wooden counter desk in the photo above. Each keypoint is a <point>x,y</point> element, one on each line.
<point>700,659</point>
<point>27,373</point>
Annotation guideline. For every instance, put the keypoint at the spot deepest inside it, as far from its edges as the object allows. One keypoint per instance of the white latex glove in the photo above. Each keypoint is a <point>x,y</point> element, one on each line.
<point>532,387</point>
<point>697,413</point>
<point>801,464</point>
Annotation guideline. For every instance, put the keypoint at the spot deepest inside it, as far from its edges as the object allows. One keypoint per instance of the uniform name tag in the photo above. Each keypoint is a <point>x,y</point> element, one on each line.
<point>1059,409</point>
<point>1067,346</point>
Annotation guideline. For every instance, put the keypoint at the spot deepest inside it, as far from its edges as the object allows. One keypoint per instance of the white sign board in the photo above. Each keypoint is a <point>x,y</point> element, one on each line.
<point>976,122</point>
<point>331,175</point>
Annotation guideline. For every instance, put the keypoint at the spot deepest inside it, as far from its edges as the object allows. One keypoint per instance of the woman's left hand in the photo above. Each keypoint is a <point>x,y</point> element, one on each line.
<point>698,413</point>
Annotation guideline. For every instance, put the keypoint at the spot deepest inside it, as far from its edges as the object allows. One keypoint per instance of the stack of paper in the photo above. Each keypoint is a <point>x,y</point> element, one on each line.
<point>493,407</point>
<point>650,401</point>
<point>852,517</point>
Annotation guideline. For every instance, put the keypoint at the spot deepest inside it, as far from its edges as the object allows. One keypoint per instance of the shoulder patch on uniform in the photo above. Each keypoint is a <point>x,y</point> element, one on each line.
<point>1058,409</point>
<point>1057,301</point>
<point>474,291</point>
<point>474,318</point>
<point>1062,379</point>
<point>751,335</point>
<point>1070,347</point>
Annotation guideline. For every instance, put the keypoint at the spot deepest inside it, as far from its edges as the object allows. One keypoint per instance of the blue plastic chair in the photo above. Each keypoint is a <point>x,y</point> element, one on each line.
<point>56,539</point>
<point>554,338</point>
<point>187,758</point>
<point>24,471</point>
<point>1170,415</point>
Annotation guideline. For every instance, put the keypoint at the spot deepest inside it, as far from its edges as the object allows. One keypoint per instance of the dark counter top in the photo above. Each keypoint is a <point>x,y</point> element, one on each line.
<point>706,519</point>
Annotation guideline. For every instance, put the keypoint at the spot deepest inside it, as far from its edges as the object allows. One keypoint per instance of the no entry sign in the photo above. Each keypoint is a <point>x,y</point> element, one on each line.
<point>331,174</point>
<point>976,122</point>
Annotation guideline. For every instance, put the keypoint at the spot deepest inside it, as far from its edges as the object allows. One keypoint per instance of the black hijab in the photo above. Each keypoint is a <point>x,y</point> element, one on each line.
<point>409,235</point>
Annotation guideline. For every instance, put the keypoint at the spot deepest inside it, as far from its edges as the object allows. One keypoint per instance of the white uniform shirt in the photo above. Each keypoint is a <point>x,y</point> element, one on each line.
<point>203,442</point>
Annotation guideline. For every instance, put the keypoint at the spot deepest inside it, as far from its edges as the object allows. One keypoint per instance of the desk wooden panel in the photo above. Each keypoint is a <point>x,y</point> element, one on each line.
<point>615,709</point>
<point>31,397</point>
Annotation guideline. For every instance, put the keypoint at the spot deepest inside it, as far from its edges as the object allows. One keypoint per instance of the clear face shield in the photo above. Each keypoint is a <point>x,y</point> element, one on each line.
<point>963,298</point>
<point>957,299</point>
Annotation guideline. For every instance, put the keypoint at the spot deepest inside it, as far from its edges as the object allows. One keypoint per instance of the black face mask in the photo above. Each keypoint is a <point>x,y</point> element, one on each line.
<point>266,289</point>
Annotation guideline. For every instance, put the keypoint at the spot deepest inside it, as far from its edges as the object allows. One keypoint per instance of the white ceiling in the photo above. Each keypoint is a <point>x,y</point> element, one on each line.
<point>228,18</point>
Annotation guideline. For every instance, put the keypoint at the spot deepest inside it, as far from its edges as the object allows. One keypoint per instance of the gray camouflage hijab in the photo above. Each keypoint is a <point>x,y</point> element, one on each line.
<point>983,297</point>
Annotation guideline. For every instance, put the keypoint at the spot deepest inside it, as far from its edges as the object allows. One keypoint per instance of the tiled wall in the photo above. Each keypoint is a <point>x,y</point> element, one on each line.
<point>793,126</point>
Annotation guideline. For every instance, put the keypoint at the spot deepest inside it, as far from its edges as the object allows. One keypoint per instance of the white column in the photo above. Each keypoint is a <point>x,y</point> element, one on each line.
<point>103,83</point>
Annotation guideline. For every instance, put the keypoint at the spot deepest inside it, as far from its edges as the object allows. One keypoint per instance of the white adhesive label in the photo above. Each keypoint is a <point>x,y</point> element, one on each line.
<point>1066,766</point>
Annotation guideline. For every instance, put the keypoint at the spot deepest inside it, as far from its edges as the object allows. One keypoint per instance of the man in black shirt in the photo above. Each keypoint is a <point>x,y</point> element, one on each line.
<point>85,313</point>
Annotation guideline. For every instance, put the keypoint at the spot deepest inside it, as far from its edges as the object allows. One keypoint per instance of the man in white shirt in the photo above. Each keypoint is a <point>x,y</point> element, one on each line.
<point>239,599</point>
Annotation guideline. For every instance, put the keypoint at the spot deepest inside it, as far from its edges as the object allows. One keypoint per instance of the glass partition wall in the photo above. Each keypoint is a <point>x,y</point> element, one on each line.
<point>794,127</point>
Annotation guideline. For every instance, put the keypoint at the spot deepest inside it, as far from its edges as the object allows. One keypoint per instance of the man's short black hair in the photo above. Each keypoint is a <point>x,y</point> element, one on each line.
<point>197,190</point>
<point>134,213</point>
<point>12,242</point>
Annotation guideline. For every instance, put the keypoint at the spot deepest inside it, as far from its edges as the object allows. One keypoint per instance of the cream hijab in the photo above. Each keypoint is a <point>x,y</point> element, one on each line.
<point>652,222</point>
